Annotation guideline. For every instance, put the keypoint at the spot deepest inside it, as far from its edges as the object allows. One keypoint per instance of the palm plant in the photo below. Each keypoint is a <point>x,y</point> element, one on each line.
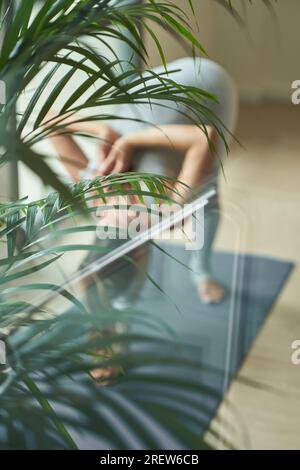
<point>52,36</point>
<point>50,356</point>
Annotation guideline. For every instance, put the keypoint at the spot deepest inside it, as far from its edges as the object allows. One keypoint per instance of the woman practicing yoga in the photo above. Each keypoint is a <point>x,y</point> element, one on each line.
<point>175,147</point>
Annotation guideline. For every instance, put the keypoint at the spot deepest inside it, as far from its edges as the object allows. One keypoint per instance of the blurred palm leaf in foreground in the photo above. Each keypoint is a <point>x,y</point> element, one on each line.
<point>48,34</point>
<point>47,393</point>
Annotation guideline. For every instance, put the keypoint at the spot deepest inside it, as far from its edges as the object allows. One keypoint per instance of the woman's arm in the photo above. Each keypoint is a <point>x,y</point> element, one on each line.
<point>70,154</point>
<point>69,151</point>
<point>199,159</point>
<point>199,155</point>
<point>197,167</point>
<point>180,137</point>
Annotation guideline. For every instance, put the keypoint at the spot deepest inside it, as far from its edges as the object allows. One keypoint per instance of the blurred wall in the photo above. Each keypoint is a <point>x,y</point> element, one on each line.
<point>261,55</point>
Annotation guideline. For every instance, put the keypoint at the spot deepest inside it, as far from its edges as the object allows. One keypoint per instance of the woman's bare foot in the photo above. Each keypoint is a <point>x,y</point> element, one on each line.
<point>210,292</point>
<point>105,376</point>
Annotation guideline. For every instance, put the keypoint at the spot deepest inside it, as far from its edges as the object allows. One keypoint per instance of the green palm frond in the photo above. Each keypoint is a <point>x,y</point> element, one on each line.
<point>52,34</point>
<point>48,398</point>
<point>50,353</point>
<point>41,223</point>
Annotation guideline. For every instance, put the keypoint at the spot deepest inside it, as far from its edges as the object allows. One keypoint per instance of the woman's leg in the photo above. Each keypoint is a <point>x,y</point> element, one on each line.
<point>214,79</point>
<point>217,81</point>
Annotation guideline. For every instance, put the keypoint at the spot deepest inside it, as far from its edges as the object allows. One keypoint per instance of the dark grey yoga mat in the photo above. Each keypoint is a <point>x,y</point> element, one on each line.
<point>252,285</point>
<point>217,336</point>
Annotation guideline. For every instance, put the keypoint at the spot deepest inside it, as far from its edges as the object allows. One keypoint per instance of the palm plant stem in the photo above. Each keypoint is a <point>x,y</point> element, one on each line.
<point>12,121</point>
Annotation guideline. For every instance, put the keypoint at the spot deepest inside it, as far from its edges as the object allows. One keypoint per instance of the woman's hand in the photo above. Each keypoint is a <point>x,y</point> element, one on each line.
<point>108,137</point>
<point>118,159</point>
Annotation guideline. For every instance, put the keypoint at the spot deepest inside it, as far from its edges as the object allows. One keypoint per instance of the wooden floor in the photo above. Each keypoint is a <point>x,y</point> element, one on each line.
<point>261,204</point>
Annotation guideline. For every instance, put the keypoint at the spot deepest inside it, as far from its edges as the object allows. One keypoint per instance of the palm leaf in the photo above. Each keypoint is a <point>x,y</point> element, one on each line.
<point>59,26</point>
<point>47,394</point>
<point>51,350</point>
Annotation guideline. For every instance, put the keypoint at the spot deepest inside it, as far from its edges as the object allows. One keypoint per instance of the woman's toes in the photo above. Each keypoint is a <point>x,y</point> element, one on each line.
<point>210,292</point>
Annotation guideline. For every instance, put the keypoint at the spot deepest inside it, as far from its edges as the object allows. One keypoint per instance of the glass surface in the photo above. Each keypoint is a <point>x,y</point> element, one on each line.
<point>173,357</point>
